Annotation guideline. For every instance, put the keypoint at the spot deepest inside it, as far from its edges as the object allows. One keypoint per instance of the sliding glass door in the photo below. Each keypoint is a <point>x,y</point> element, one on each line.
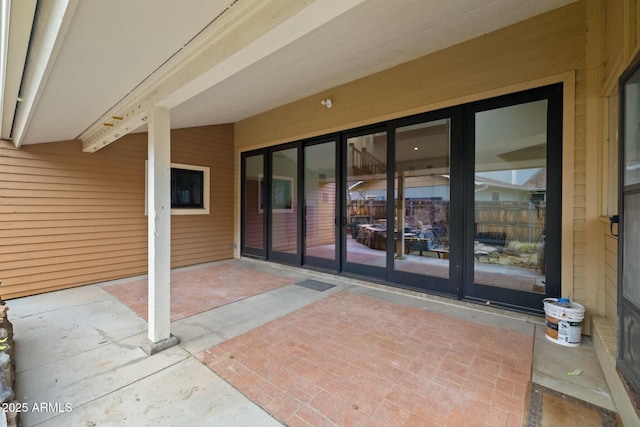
<point>283,208</point>
<point>429,243</point>
<point>253,214</point>
<point>320,204</point>
<point>513,229</point>
<point>628,360</point>
<point>457,201</point>
<point>365,203</point>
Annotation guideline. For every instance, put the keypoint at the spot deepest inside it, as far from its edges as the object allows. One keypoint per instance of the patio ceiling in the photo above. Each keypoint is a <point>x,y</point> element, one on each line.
<point>212,62</point>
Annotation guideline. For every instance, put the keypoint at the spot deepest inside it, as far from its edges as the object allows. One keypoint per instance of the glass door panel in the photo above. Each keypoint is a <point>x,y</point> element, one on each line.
<point>253,206</point>
<point>365,233</point>
<point>510,197</point>
<point>629,237</point>
<point>320,204</point>
<point>629,352</point>
<point>422,198</point>
<point>284,204</point>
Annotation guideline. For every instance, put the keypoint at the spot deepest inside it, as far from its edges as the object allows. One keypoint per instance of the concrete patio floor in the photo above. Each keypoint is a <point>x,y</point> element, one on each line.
<point>81,347</point>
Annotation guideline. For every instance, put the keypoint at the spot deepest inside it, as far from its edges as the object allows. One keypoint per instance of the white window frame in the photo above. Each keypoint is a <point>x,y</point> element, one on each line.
<point>205,210</point>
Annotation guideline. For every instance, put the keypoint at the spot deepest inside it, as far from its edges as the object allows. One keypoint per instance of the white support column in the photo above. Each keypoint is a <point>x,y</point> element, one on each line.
<point>159,232</point>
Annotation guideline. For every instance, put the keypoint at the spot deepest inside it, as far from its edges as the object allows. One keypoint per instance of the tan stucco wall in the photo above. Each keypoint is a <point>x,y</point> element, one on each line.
<point>70,218</point>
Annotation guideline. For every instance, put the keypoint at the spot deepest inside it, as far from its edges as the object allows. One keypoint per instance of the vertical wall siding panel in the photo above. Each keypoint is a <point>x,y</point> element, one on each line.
<point>611,277</point>
<point>69,218</point>
<point>197,239</point>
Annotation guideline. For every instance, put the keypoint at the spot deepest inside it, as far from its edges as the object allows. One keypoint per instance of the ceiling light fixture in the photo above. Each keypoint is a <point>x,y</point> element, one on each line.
<point>327,102</point>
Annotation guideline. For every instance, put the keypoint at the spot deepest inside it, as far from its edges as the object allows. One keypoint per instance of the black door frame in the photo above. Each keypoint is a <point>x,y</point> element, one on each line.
<point>450,286</point>
<point>628,312</point>
<point>510,298</point>
<point>278,256</point>
<point>307,260</point>
<point>378,273</point>
<point>244,249</point>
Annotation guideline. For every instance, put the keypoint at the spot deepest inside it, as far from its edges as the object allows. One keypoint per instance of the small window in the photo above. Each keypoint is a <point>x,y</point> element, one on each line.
<point>189,189</point>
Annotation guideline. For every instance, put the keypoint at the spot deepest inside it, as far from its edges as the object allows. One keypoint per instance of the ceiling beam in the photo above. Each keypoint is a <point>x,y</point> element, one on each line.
<point>52,20</point>
<point>248,31</point>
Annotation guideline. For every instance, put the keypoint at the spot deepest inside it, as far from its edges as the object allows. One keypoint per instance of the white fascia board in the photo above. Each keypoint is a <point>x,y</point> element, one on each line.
<point>52,21</point>
<point>18,29</point>
<point>5,13</point>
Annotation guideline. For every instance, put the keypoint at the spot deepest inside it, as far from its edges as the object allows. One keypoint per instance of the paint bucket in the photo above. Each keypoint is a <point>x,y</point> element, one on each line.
<point>563,322</point>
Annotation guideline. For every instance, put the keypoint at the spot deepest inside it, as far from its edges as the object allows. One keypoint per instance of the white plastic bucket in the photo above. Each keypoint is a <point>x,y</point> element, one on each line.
<point>563,324</point>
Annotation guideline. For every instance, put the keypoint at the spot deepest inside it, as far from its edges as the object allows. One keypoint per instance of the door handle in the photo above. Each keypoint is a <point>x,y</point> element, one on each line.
<point>614,219</point>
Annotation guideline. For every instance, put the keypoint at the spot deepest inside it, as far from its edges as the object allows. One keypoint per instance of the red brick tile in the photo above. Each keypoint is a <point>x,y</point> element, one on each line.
<point>313,417</point>
<point>389,414</point>
<point>308,386</point>
<point>268,388</point>
<point>366,402</point>
<point>505,385</point>
<point>489,354</point>
<point>469,414</point>
<point>326,403</point>
<point>257,395</point>
<point>478,392</point>
<point>513,374</point>
<point>433,410</point>
<point>445,393</point>
<point>418,384</point>
<point>448,380</point>
<point>506,402</point>
<point>417,421</point>
<point>521,364</point>
<point>296,421</point>
<point>346,353</point>
<point>194,292</point>
<point>520,390</point>
<point>486,367</point>
<point>283,407</point>
<point>299,394</point>
<point>514,420</point>
<point>497,417</point>
<point>463,356</point>
<point>454,368</point>
<point>404,398</point>
<point>348,414</point>
<point>344,393</point>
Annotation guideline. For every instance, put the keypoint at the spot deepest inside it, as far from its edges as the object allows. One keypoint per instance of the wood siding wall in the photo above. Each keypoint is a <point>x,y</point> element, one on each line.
<point>69,218</point>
